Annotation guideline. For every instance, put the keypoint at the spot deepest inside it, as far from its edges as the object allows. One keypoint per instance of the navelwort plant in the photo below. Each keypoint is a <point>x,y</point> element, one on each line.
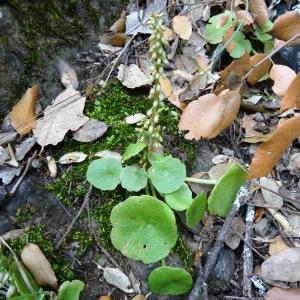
<point>144,226</point>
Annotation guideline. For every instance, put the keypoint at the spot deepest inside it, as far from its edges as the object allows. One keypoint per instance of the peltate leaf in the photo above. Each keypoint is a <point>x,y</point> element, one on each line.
<point>144,228</point>
<point>170,281</point>
<point>70,290</point>
<point>104,173</point>
<point>167,174</point>
<point>224,192</point>
<point>195,212</point>
<point>181,199</point>
<point>133,179</point>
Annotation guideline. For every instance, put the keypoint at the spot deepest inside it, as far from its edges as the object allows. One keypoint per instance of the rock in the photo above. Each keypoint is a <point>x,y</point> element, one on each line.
<point>3,194</point>
<point>22,149</point>
<point>5,225</point>
<point>262,227</point>
<point>32,193</point>
<point>6,124</point>
<point>220,277</point>
<point>8,173</point>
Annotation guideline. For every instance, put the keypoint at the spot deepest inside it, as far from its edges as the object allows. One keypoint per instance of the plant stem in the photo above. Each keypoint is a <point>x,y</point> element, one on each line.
<point>147,189</point>
<point>201,181</point>
<point>163,262</point>
<point>153,190</point>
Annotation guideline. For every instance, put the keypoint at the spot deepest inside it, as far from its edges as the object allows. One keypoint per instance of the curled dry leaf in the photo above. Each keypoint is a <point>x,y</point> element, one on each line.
<point>259,9</point>
<point>66,113</point>
<point>67,74</point>
<point>132,76</point>
<point>136,118</point>
<point>119,25</point>
<point>270,151</point>
<point>233,237</point>
<point>23,113</point>
<point>210,114</point>
<point>169,34</point>
<point>238,67</point>
<point>72,157</point>
<point>118,39</point>
<point>38,265</point>
<point>282,77</point>
<point>90,131</point>
<point>259,71</point>
<point>286,26</point>
<point>276,293</point>
<point>182,27</point>
<point>52,166</point>
<point>277,246</point>
<point>291,98</point>
<point>283,266</point>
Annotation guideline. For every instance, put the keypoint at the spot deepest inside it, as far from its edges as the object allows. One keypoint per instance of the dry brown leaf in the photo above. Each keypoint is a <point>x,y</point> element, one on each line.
<point>90,131</point>
<point>139,297</point>
<point>273,200</point>
<point>259,71</point>
<point>291,98</point>
<point>246,16</point>
<point>282,77</point>
<point>210,114</point>
<point>169,34</point>
<point>186,64</point>
<point>167,88</point>
<point>118,40</point>
<point>260,10</point>
<point>259,212</point>
<point>283,266</point>
<point>64,114</point>
<point>23,113</point>
<point>119,25</point>
<point>276,293</point>
<point>132,76</point>
<point>286,26</point>
<point>239,67</point>
<point>217,171</point>
<point>253,136</point>
<point>233,236</point>
<point>270,151</point>
<point>277,246</point>
<point>38,265</point>
<point>182,27</point>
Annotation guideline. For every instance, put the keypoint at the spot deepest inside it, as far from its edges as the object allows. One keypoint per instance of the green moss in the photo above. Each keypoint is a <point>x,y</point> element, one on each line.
<point>37,236</point>
<point>185,254</point>
<point>83,238</point>
<point>24,214</point>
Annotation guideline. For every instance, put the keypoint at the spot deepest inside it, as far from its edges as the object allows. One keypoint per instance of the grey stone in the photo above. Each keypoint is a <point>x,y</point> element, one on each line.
<point>262,227</point>
<point>6,124</point>
<point>219,280</point>
<point>5,225</point>
<point>3,194</point>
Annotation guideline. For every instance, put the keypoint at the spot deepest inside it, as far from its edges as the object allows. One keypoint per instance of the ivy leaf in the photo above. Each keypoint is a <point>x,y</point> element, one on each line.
<point>70,290</point>
<point>133,179</point>
<point>195,212</point>
<point>218,26</point>
<point>224,192</point>
<point>104,173</point>
<point>132,150</point>
<point>181,199</point>
<point>170,281</point>
<point>138,231</point>
<point>167,174</point>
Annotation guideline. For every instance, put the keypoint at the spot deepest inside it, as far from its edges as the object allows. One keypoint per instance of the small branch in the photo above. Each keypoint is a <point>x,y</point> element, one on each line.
<point>212,256</point>
<point>280,219</point>
<point>13,161</point>
<point>247,253</point>
<point>201,181</point>
<point>15,188</point>
<point>84,203</point>
<point>270,55</point>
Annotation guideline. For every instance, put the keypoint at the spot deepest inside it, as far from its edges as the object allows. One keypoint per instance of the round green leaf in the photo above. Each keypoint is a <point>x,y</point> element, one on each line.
<point>144,228</point>
<point>132,150</point>
<point>70,290</point>
<point>196,211</point>
<point>181,199</point>
<point>170,281</point>
<point>267,26</point>
<point>104,173</point>
<point>224,192</point>
<point>133,179</point>
<point>167,174</point>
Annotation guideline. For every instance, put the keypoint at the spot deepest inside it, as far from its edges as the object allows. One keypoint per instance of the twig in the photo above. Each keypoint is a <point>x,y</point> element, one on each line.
<point>242,198</point>
<point>247,253</point>
<point>84,203</point>
<point>15,188</point>
<point>270,55</point>
<point>13,161</point>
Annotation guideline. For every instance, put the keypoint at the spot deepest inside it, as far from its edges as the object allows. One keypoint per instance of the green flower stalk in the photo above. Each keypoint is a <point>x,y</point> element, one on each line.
<point>150,132</point>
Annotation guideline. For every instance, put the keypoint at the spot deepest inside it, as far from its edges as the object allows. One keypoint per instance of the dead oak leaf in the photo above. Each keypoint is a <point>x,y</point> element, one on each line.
<point>23,113</point>
<point>260,70</point>
<point>286,26</point>
<point>66,113</point>
<point>132,76</point>
<point>291,97</point>
<point>182,26</point>
<point>282,77</point>
<point>270,151</point>
<point>210,114</point>
<point>260,10</point>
